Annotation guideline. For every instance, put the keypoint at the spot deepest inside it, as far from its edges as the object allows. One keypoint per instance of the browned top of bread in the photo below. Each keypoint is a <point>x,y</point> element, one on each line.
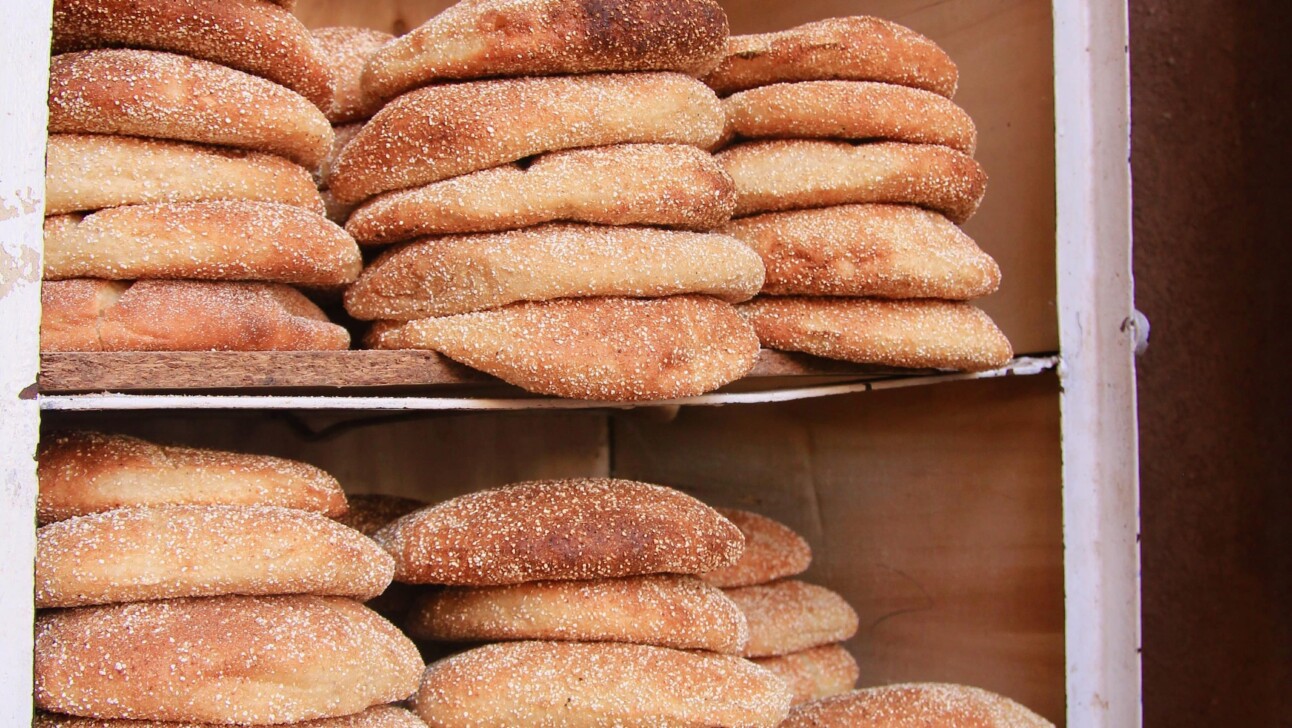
<point>90,472</point>
<point>855,48</point>
<point>481,38</point>
<point>772,551</point>
<point>347,51</point>
<point>790,615</point>
<point>583,528</point>
<point>167,96</point>
<point>369,513</point>
<point>249,35</point>
<point>915,706</point>
<point>380,716</point>
<point>222,660</point>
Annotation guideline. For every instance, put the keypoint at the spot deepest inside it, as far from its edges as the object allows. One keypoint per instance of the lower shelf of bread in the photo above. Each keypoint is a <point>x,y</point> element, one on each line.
<point>410,380</point>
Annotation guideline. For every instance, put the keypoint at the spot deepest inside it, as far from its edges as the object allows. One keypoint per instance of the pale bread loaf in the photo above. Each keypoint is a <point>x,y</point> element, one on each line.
<point>381,716</point>
<point>814,673</point>
<point>790,615</point>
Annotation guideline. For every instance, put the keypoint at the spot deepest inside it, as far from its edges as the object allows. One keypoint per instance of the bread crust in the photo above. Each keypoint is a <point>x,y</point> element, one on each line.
<point>167,96</point>
<point>791,615</point>
<point>346,51</point>
<point>463,273</point>
<point>370,512</point>
<point>443,131</point>
<point>772,551</point>
<point>794,174</point>
<point>482,38</point>
<point>91,472</point>
<point>814,673</point>
<point>917,334</point>
<point>380,716</point>
<point>226,240</point>
<point>248,35</point>
<point>583,528</point>
<point>230,659</point>
<point>849,110</point>
<point>914,705</point>
<point>880,251</point>
<point>666,185</point>
<point>607,349</point>
<point>665,610</point>
<point>598,684</point>
<point>95,171</point>
<point>857,48</point>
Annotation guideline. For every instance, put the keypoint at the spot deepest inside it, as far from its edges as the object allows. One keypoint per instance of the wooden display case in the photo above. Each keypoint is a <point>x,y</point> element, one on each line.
<point>986,531</point>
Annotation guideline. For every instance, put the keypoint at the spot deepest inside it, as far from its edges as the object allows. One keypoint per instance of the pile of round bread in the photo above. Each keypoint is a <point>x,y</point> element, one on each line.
<point>200,587</point>
<point>853,169</point>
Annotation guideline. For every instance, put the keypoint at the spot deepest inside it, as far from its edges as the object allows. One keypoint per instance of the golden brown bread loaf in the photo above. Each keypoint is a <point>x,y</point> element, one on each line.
<point>481,38</point>
<point>162,552</point>
<point>167,96</point>
<point>346,51</point>
<point>369,513</point>
<point>772,551</point>
<point>95,171</point>
<point>665,610</point>
<point>608,349</point>
<point>584,528</point>
<point>917,334</point>
<point>814,673</point>
<point>462,273</point>
<point>881,251</point>
<point>227,659</point>
<point>788,174</point>
<point>230,240</point>
<point>90,472</point>
<point>856,48</point>
<point>249,35</point>
<point>790,615</point>
<point>443,131</point>
<point>89,314</point>
<point>849,110</point>
<point>667,185</point>
<point>583,685</point>
<point>381,716</point>
<point>915,706</point>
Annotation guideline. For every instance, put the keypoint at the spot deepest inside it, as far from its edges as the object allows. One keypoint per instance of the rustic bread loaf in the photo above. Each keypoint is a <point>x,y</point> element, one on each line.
<point>814,673</point>
<point>346,51</point>
<point>915,706</point>
<point>772,551</point>
<point>790,615</point>
<point>381,716</point>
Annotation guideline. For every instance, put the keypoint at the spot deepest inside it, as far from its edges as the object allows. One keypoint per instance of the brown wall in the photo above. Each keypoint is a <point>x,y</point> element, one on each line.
<point>1212,157</point>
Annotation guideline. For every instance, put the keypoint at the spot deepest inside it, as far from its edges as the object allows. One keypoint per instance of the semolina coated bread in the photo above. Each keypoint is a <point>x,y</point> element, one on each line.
<point>380,716</point>
<point>583,685</point>
<point>787,174</point>
<point>346,51</point>
<point>369,513</point>
<point>90,314</point>
<point>90,472</point>
<point>166,551</point>
<point>249,35</point>
<point>443,131</point>
<point>665,185</point>
<point>878,251</point>
<point>814,673</point>
<point>857,48</point>
<point>915,705</point>
<point>481,38</point>
<point>916,334</point>
<point>606,349</point>
<point>849,110</point>
<point>232,659</point>
<point>94,171</point>
<point>772,551</point>
<point>224,240</point>
<point>665,610</point>
<point>790,616</point>
<point>583,528</point>
<point>462,273</point>
<point>167,96</point>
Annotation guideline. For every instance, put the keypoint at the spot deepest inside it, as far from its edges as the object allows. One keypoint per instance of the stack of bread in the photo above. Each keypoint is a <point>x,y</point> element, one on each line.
<point>543,167</point>
<point>585,590</point>
<point>205,587</point>
<point>853,170</point>
<point>182,209</point>
<point>794,627</point>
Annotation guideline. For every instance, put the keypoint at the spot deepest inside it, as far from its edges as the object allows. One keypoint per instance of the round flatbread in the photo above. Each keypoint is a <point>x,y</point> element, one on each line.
<point>381,716</point>
<point>915,706</point>
<point>814,673</point>
<point>772,551</point>
<point>790,615</point>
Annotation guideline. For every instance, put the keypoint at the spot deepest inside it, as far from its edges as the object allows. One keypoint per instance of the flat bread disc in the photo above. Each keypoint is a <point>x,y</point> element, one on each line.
<point>381,716</point>
<point>814,673</point>
<point>608,349</point>
<point>915,706</point>
<point>772,551</point>
<point>790,615</point>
